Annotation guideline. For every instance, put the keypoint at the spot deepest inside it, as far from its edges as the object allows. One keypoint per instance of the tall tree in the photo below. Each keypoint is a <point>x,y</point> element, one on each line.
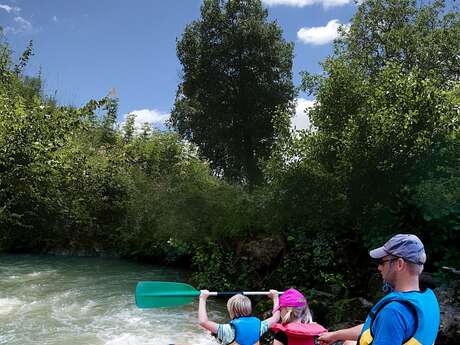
<point>236,76</point>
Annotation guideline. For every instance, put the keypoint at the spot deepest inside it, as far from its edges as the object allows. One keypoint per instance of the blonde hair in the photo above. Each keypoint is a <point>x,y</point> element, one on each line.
<point>239,305</point>
<point>297,314</point>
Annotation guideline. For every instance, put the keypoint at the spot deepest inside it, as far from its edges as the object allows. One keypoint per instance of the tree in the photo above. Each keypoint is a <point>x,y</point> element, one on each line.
<point>109,120</point>
<point>423,36</point>
<point>236,76</point>
<point>385,102</point>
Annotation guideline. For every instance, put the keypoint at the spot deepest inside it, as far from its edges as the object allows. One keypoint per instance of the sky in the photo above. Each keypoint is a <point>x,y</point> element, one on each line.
<point>85,49</point>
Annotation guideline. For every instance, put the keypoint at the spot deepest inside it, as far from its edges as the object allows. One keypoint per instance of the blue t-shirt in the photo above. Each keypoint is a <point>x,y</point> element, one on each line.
<point>394,324</point>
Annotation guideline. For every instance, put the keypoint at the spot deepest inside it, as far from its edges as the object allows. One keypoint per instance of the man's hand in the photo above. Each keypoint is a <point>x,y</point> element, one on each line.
<point>328,338</point>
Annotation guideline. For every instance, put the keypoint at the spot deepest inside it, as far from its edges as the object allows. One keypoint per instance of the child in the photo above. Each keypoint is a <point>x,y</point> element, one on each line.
<point>297,326</point>
<point>243,328</point>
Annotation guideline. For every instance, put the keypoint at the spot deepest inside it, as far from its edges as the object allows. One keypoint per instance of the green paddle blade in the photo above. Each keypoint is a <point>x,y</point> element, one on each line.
<point>164,294</point>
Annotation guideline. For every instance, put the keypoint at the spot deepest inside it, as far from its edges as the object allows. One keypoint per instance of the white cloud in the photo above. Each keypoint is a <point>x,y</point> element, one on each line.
<point>55,19</point>
<point>9,9</point>
<point>301,119</point>
<point>321,34</point>
<point>151,116</point>
<point>22,25</point>
<point>303,3</point>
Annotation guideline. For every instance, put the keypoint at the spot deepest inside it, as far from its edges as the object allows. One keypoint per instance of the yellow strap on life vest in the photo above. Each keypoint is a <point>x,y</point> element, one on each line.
<point>412,341</point>
<point>365,338</point>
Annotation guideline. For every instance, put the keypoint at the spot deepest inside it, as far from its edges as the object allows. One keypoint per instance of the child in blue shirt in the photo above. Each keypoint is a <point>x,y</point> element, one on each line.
<point>243,329</point>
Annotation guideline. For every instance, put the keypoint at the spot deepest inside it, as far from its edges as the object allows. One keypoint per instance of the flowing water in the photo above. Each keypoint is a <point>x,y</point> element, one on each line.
<point>51,300</point>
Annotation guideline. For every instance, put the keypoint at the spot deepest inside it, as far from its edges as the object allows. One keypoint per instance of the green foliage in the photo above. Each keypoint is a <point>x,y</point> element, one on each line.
<point>176,197</point>
<point>214,267</point>
<point>382,155</point>
<point>236,76</point>
<point>71,180</point>
<point>415,35</point>
<point>321,261</point>
<point>31,133</point>
<point>436,200</point>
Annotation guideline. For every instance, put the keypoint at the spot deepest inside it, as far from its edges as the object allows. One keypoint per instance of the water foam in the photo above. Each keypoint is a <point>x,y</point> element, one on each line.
<point>156,339</point>
<point>9,305</point>
<point>51,301</point>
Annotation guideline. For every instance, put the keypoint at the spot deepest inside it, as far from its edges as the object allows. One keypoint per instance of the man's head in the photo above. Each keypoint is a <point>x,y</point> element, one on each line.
<point>401,256</point>
<point>405,246</point>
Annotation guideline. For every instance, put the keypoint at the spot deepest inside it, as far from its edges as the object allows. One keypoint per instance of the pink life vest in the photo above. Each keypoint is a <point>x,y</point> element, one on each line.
<point>300,333</point>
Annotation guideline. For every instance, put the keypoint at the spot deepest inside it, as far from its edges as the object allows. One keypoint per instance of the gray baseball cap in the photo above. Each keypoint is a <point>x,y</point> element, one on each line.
<point>406,246</point>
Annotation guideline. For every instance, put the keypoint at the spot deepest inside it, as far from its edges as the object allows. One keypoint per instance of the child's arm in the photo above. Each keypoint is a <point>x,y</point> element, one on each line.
<point>276,314</point>
<point>203,315</point>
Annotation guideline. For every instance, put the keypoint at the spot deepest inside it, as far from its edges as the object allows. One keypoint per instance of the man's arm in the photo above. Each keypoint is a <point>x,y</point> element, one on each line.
<point>341,335</point>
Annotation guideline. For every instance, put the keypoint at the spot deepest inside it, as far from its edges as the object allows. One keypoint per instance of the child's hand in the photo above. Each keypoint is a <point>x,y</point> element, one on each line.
<point>273,294</point>
<point>204,294</point>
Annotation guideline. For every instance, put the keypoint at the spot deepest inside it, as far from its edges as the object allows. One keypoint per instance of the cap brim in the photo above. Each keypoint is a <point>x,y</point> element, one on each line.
<point>378,253</point>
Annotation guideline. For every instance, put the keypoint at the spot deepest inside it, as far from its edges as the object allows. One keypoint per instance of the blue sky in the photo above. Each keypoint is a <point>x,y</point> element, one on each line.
<point>87,47</point>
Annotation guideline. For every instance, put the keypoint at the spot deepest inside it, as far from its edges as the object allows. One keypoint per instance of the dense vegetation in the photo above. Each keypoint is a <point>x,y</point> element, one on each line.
<point>382,156</point>
<point>72,180</point>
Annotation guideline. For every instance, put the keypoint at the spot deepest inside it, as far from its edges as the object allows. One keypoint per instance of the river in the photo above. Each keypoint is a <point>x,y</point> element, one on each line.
<point>54,300</point>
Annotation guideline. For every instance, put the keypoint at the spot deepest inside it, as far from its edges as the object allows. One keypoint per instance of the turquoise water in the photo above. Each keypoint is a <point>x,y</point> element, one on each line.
<point>53,300</point>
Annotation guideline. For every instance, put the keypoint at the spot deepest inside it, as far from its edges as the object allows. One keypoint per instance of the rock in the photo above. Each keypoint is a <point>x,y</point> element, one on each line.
<point>449,331</point>
<point>262,253</point>
<point>448,297</point>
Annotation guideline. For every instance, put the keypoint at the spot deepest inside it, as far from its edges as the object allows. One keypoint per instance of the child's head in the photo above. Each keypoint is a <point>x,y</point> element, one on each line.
<point>239,305</point>
<point>294,307</point>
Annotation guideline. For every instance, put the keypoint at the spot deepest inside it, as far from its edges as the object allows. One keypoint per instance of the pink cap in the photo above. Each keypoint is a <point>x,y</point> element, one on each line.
<point>292,298</point>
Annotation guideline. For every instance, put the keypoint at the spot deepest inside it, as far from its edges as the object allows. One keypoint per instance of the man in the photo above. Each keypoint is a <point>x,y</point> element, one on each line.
<point>405,315</point>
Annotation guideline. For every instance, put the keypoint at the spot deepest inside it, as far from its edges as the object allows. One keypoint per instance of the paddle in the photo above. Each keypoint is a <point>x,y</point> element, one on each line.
<point>171,294</point>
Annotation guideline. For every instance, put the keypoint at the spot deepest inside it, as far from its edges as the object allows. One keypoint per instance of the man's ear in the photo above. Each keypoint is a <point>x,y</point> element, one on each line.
<point>401,264</point>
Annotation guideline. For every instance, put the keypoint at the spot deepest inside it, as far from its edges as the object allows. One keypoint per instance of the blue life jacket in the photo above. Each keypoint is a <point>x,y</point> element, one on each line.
<point>426,310</point>
<point>247,330</point>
